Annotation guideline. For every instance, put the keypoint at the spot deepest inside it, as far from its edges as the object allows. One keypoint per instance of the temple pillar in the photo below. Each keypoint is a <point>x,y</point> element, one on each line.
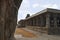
<point>48,20</point>
<point>48,23</point>
<point>30,22</point>
<point>36,21</point>
<point>41,21</point>
<point>55,24</point>
<point>33,22</point>
<point>55,20</point>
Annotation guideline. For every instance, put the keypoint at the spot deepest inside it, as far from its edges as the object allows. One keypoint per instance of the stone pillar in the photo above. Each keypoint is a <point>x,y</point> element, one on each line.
<point>55,24</point>
<point>30,22</point>
<point>48,23</point>
<point>8,18</point>
<point>48,20</point>
<point>41,20</point>
<point>33,22</point>
<point>55,20</point>
<point>37,21</point>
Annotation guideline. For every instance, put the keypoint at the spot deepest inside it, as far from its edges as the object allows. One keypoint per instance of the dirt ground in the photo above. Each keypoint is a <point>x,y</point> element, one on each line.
<point>24,33</point>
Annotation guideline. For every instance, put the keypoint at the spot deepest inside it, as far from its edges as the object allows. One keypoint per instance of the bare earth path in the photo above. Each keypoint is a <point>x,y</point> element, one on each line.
<point>26,34</point>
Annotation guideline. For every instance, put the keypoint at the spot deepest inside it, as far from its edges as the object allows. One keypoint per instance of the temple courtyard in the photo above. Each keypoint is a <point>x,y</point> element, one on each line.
<point>26,34</point>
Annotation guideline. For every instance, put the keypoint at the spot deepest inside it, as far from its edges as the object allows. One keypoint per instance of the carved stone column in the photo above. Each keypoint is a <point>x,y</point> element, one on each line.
<point>55,20</point>
<point>8,18</point>
<point>55,24</point>
<point>41,20</point>
<point>33,22</point>
<point>36,21</point>
<point>48,23</point>
<point>48,20</point>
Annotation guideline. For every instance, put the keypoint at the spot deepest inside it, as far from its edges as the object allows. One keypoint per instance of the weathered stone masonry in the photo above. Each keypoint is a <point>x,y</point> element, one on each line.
<point>46,21</point>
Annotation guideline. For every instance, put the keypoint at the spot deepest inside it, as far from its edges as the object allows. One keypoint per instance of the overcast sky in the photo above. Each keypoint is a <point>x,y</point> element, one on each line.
<point>34,6</point>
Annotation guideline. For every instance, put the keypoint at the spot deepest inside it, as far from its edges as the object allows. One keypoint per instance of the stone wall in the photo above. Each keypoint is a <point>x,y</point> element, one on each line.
<point>54,31</point>
<point>38,29</point>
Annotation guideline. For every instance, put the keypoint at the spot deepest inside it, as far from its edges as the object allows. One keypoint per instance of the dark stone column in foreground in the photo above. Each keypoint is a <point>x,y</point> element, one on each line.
<point>8,18</point>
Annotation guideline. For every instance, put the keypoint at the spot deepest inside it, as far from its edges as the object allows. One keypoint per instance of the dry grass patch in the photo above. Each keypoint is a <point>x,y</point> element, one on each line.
<point>24,33</point>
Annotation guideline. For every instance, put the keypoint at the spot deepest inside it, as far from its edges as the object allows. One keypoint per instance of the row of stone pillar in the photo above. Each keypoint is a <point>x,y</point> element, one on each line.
<point>36,21</point>
<point>40,21</point>
<point>48,20</point>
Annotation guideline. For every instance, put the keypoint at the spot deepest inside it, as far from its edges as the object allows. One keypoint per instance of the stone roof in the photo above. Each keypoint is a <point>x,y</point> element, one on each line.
<point>43,11</point>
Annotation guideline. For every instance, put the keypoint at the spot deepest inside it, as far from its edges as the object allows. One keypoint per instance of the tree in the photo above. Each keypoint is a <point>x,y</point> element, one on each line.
<point>28,15</point>
<point>8,18</point>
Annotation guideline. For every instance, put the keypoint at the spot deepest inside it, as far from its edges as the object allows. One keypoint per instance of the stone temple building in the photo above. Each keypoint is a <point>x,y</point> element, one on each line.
<point>21,24</point>
<point>46,21</point>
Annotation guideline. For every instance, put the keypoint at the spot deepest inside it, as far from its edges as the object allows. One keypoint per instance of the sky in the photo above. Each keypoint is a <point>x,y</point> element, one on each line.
<point>33,6</point>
